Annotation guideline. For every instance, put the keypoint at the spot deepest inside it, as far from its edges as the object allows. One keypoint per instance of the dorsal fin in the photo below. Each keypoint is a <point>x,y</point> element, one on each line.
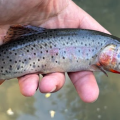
<point>19,30</point>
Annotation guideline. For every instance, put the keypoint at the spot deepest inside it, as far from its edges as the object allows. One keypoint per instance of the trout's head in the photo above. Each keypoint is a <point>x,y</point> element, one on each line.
<point>109,58</point>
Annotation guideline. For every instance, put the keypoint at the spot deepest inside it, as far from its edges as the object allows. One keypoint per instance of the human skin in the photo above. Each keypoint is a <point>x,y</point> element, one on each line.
<point>50,14</point>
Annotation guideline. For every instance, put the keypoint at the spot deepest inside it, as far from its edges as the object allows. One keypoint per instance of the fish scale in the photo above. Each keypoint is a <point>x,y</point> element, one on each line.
<point>52,50</point>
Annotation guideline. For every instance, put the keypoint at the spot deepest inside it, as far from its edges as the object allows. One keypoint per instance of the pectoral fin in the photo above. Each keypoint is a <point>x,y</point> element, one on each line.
<point>98,68</point>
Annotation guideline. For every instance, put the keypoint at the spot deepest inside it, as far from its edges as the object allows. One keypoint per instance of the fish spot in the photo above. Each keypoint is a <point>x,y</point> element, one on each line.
<point>56,61</point>
<point>61,37</point>
<point>27,50</point>
<point>52,56</point>
<point>38,59</point>
<point>34,53</point>
<point>10,60</point>
<point>4,52</point>
<point>29,58</point>
<point>10,66</point>
<point>10,52</point>
<point>34,66</point>
<point>63,57</point>
<point>31,48</point>
<point>15,61</point>
<point>47,51</point>
<point>41,52</point>
<point>90,62</point>
<point>64,51</point>
<point>43,57</point>
<point>18,68</point>
<point>45,44</point>
<point>15,53</point>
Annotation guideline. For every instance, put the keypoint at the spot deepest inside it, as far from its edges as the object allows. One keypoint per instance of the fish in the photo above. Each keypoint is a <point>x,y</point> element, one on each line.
<point>30,49</point>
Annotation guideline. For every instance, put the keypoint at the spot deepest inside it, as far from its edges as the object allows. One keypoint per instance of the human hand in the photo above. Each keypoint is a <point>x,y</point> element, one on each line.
<point>51,14</point>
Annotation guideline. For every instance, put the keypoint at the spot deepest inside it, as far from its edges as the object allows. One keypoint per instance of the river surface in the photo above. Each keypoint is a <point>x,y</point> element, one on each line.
<point>65,104</point>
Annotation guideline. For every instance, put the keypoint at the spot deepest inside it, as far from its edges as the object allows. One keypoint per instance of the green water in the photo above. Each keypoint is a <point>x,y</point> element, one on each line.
<point>66,104</point>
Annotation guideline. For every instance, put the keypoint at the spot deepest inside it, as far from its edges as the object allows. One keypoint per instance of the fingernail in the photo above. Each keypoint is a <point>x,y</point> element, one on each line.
<point>53,89</point>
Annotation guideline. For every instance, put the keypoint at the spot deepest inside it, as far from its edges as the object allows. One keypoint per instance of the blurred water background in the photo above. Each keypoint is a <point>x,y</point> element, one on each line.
<point>65,104</point>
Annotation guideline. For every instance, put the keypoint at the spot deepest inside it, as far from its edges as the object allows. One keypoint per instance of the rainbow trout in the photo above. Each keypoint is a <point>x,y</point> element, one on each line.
<point>39,50</point>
